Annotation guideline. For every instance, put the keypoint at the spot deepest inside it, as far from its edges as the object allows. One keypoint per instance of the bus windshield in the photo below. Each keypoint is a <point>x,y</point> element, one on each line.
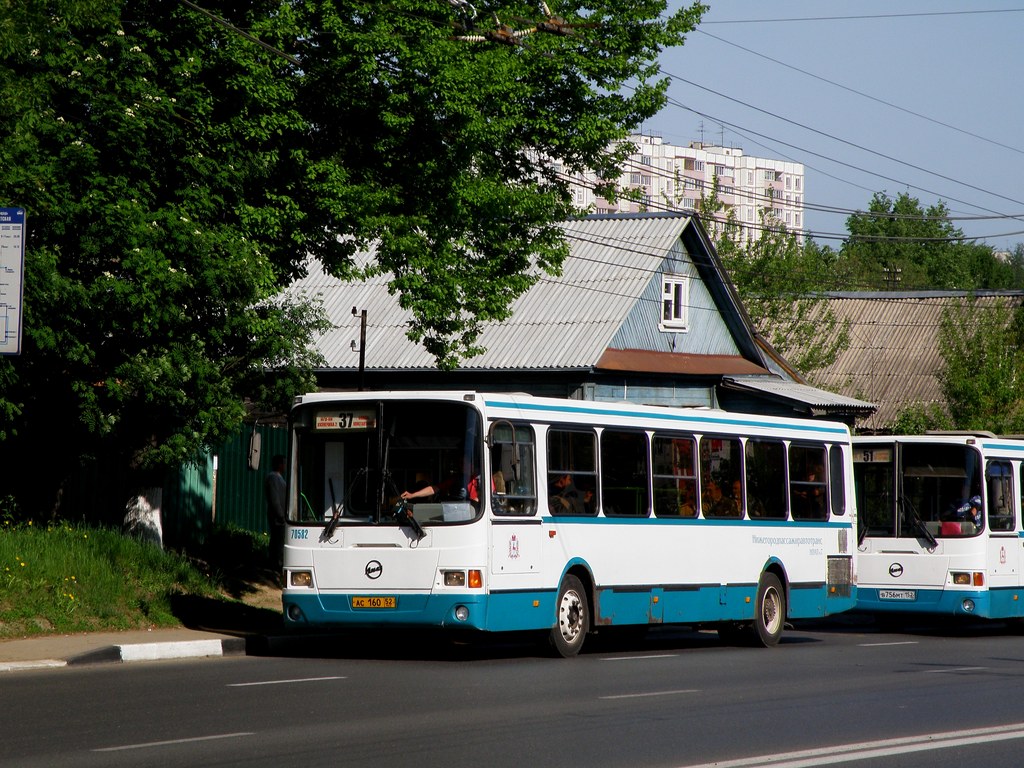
<point>923,490</point>
<point>357,463</point>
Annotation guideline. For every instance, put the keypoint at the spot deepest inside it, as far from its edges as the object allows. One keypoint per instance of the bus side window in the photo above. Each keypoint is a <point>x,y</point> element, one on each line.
<point>572,472</point>
<point>766,479</point>
<point>836,482</point>
<point>807,488</point>
<point>675,476</point>
<point>999,477</point>
<point>719,472</point>
<point>513,471</point>
<point>624,471</point>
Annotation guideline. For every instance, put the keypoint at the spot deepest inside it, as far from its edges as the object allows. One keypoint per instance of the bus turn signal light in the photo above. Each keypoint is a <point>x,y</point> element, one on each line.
<point>476,579</point>
<point>963,578</point>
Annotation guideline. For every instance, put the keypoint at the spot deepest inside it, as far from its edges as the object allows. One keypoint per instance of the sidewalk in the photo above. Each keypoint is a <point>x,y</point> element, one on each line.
<point>138,645</point>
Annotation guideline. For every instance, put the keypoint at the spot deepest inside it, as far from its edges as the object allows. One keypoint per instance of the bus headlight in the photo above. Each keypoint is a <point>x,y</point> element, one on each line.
<point>961,578</point>
<point>300,578</point>
<point>454,578</point>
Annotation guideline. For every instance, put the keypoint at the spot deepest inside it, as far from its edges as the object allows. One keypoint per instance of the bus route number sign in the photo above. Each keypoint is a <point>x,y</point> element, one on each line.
<point>872,455</point>
<point>346,420</point>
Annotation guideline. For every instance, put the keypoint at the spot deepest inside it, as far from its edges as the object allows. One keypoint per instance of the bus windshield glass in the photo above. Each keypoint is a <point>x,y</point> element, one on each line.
<point>357,463</point>
<point>938,491</point>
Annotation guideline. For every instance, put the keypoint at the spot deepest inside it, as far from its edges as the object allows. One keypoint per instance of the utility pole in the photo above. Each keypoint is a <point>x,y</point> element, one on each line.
<point>362,345</point>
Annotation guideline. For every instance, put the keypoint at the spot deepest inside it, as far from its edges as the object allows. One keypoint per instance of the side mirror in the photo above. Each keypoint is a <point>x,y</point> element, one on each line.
<point>255,443</point>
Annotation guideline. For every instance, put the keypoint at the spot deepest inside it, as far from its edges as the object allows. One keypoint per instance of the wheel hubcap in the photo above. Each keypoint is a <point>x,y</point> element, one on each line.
<point>569,616</point>
<point>770,613</point>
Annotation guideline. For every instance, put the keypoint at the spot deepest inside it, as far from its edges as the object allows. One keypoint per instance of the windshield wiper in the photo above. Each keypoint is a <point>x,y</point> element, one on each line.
<point>917,524</point>
<point>329,529</point>
<point>403,515</point>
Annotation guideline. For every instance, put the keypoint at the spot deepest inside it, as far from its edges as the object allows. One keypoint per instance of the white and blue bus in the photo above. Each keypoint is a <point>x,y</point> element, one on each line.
<point>939,518</point>
<point>501,512</point>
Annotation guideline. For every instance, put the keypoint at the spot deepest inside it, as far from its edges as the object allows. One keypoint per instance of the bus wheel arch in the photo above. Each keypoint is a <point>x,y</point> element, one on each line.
<point>573,612</point>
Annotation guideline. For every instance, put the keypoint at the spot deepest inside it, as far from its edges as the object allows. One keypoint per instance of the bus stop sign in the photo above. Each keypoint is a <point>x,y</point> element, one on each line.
<point>12,271</point>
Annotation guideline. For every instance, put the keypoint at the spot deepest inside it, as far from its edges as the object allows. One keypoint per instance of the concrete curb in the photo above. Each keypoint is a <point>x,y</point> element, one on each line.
<point>178,649</point>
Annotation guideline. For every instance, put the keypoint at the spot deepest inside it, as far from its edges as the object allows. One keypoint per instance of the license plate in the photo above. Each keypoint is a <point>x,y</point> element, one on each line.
<point>375,602</point>
<point>897,594</point>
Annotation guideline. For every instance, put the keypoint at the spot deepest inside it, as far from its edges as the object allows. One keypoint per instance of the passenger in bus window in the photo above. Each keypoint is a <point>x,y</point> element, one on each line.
<point>563,497</point>
<point>716,504</point>
<point>688,500</point>
<point>737,495</point>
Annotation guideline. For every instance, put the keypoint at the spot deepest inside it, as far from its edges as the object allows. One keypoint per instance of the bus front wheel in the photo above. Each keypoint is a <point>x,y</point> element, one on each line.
<point>770,611</point>
<point>572,618</point>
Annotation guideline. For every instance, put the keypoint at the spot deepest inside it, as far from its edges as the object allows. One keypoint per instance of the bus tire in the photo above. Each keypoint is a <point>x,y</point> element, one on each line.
<point>769,611</point>
<point>572,618</point>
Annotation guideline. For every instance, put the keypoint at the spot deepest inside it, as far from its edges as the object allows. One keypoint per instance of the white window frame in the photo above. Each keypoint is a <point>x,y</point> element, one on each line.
<point>675,303</point>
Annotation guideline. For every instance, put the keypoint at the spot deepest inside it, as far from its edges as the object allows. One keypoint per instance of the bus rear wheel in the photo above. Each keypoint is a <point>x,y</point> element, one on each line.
<point>572,618</point>
<point>769,611</point>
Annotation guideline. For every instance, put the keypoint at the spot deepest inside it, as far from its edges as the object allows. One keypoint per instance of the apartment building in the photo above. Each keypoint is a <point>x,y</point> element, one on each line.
<point>671,178</point>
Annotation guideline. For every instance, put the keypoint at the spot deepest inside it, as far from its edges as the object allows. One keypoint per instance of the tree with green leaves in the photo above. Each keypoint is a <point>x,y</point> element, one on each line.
<point>898,245</point>
<point>982,378</point>
<point>180,162</point>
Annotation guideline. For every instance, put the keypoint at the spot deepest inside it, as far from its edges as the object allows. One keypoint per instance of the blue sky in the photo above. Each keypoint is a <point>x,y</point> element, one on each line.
<point>917,96</point>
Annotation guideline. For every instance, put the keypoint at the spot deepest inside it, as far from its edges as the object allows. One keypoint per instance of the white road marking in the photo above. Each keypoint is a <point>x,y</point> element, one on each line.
<point>171,742</point>
<point>882,645</point>
<point>848,753</point>
<point>955,669</point>
<point>638,658</point>
<point>651,693</point>
<point>284,682</point>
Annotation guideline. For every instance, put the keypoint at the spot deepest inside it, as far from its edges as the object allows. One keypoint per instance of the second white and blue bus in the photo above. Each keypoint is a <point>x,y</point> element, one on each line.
<point>940,518</point>
<point>501,512</point>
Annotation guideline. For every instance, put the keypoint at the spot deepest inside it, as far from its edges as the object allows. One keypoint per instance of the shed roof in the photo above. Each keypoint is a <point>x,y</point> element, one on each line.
<point>893,359</point>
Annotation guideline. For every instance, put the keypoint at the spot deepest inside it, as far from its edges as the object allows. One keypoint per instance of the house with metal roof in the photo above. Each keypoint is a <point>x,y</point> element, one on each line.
<point>643,311</point>
<point>893,358</point>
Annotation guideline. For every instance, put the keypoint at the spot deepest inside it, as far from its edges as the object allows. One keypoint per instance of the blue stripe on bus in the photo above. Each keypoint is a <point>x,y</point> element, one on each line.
<point>667,416</point>
<point>1019,447</point>
<point>517,610</point>
<point>993,603</point>
<point>701,521</point>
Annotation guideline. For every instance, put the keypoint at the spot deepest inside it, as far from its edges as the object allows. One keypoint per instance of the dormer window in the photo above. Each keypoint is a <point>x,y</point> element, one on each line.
<point>675,301</point>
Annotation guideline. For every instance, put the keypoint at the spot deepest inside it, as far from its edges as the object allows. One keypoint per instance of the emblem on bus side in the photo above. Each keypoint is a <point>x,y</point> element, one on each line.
<point>895,570</point>
<point>374,569</point>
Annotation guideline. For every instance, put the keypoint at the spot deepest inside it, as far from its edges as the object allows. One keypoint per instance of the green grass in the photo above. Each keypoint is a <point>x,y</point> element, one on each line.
<point>68,578</point>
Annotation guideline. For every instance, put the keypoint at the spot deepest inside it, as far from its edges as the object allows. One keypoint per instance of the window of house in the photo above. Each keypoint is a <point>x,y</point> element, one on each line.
<point>675,300</point>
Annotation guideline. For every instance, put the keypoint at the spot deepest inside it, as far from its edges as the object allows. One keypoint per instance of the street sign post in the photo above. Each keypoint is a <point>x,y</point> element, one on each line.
<point>12,272</point>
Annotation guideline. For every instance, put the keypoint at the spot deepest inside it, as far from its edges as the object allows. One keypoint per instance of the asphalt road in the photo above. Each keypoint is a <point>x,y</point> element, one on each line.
<point>829,694</point>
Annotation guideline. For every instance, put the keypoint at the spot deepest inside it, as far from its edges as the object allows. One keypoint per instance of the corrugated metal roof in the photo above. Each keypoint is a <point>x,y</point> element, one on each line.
<point>818,399</point>
<point>563,322</point>
<point>893,359</point>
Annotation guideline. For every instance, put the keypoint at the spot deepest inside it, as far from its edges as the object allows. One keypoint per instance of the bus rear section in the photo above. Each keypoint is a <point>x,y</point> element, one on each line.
<point>940,526</point>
